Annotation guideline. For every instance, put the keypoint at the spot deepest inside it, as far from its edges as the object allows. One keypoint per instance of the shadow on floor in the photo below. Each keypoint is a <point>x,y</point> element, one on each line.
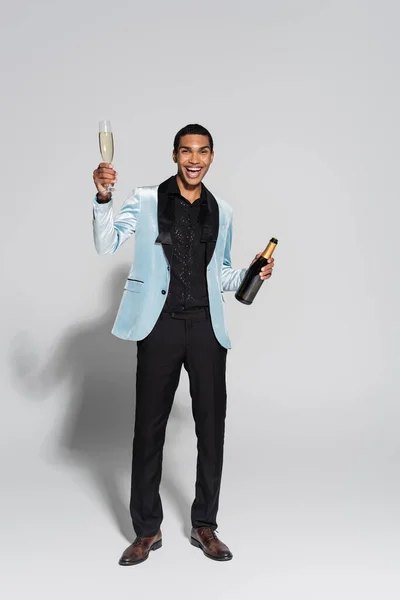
<point>97,431</point>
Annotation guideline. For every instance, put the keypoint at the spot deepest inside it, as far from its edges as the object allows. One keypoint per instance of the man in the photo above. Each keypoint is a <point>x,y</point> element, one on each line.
<point>172,305</point>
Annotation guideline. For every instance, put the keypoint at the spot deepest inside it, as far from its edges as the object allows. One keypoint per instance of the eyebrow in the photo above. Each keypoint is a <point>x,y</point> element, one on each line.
<point>189,148</point>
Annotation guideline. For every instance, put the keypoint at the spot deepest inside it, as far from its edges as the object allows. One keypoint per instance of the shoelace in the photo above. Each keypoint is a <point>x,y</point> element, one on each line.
<point>213,535</point>
<point>138,542</point>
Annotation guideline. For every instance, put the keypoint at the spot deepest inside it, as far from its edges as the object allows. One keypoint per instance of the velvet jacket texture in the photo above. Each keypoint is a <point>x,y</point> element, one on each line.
<point>149,213</point>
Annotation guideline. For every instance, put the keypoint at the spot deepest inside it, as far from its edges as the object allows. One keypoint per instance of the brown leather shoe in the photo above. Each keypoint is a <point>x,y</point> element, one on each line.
<point>140,549</point>
<point>206,539</point>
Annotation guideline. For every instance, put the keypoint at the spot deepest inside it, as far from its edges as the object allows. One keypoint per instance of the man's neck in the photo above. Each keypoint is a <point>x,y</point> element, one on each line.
<point>191,193</point>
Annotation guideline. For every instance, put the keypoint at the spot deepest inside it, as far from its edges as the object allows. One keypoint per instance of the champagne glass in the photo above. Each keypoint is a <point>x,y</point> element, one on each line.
<point>106,142</point>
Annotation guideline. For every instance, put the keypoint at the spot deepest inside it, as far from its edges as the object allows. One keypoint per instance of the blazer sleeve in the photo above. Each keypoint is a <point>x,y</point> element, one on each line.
<point>110,234</point>
<point>230,278</point>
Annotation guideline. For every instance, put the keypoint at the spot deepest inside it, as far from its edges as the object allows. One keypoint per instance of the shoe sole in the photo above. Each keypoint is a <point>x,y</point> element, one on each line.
<point>198,545</point>
<point>155,546</point>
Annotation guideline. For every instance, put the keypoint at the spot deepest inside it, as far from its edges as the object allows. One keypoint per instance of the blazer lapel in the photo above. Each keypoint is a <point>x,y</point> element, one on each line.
<point>166,218</point>
<point>209,221</point>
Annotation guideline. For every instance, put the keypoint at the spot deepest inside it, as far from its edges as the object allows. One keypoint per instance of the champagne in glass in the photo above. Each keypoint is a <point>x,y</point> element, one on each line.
<point>106,142</point>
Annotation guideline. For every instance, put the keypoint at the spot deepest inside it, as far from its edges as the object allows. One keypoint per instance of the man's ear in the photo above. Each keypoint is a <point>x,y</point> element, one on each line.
<point>174,156</point>
<point>212,155</point>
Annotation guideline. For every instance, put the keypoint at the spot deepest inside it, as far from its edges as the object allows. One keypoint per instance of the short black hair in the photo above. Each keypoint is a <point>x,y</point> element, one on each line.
<point>192,129</point>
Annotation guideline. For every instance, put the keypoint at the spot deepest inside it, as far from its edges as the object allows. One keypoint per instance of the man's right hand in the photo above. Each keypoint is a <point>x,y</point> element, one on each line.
<point>102,176</point>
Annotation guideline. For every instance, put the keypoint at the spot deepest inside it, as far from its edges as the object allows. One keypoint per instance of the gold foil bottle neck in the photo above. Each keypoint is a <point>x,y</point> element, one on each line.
<point>270,248</point>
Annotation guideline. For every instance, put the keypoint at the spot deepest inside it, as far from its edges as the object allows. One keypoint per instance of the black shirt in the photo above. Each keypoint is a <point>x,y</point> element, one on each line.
<point>188,286</point>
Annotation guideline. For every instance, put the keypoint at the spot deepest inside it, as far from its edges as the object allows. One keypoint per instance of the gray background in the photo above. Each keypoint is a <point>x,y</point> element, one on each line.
<point>303,101</point>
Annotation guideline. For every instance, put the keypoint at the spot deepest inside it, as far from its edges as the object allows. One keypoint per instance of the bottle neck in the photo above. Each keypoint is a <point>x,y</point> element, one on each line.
<point>269,250</point>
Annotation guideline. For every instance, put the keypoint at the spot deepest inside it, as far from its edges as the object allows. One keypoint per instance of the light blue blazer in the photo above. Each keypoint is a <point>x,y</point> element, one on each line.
<point>147,213</point>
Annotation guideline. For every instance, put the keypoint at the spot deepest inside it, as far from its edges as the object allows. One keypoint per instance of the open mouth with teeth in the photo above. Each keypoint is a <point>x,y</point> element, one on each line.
<point>193,172</point>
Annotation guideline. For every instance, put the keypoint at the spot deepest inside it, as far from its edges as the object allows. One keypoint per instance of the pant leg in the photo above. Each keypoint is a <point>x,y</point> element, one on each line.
<point>160,358</point>
<point>206,366</point>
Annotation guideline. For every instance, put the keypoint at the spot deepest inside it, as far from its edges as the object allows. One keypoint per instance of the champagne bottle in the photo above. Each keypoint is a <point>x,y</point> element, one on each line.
<point>252,281</point>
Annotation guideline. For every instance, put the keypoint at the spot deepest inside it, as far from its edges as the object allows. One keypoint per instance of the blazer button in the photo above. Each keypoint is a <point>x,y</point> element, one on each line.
<point>163,292</point>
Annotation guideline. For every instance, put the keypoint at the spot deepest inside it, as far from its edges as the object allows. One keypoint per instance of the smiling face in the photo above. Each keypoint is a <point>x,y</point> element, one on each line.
<point>193,158</point>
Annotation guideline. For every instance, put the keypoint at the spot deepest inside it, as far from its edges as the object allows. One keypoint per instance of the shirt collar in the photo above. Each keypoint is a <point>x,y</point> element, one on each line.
<point>173,188</point>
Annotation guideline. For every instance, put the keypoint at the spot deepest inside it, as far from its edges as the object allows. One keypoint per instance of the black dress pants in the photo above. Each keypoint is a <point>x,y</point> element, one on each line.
<point>178,339</point>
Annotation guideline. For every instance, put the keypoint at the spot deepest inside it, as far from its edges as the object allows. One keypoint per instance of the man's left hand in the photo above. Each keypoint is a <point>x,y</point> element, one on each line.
<point>266,271</point>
